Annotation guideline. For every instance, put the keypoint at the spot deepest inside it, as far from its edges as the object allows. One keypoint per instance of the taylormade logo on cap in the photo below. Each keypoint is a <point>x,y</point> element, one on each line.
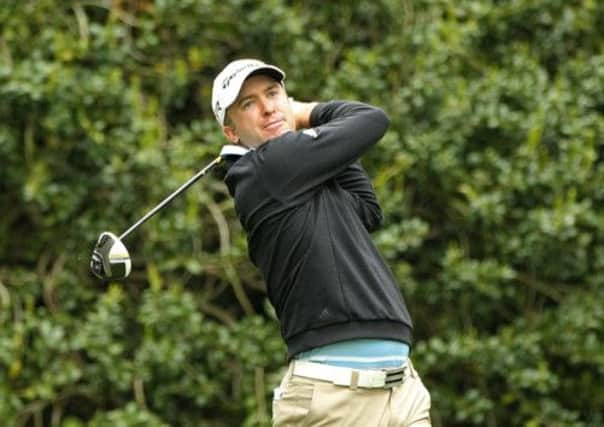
<point>228,82</point>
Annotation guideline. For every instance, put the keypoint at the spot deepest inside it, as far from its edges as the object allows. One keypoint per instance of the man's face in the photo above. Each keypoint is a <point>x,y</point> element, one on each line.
<point>261,112</point>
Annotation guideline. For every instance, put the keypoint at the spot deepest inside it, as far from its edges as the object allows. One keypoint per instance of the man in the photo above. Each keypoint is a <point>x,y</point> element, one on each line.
<point>308,207</point>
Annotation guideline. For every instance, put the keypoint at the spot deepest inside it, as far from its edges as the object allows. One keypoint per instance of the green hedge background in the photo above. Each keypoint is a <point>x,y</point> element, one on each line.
<point>491,178</point>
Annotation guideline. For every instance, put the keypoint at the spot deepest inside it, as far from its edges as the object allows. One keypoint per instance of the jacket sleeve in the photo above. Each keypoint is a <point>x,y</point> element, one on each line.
<point>296,163</point>
<point>356,183</point>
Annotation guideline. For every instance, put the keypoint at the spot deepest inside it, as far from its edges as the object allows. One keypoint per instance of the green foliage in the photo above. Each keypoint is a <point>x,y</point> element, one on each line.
<point>491,179</point>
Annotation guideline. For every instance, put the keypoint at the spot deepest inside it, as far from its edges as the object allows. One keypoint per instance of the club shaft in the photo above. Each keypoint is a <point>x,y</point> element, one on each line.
<point>171,197</point>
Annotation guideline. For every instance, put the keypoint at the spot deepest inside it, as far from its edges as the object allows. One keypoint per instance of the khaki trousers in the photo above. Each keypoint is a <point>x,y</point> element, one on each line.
<point>308,402</point>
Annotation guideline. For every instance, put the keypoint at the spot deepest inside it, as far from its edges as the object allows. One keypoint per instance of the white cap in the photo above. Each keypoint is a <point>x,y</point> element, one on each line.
<point>228,83</point>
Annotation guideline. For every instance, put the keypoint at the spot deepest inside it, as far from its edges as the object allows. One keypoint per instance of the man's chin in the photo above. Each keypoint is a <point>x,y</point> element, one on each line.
<point>278,132</point>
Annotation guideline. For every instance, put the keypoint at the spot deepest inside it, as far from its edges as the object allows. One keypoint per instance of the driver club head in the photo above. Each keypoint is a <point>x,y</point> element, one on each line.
<point>110,259</point>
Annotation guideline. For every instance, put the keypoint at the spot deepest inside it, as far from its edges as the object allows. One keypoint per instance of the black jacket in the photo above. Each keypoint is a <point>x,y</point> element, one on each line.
<point>308,207</point>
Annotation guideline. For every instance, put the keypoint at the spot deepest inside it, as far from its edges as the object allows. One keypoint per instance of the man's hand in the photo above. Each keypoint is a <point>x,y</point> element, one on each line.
<point>302,112</point>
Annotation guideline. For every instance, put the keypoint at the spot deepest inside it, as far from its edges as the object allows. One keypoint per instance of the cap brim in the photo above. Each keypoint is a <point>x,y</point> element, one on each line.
<point>269,71</point>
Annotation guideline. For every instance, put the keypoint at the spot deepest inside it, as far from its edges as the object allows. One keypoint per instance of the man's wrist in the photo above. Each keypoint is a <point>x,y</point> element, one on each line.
<point>302,111</point>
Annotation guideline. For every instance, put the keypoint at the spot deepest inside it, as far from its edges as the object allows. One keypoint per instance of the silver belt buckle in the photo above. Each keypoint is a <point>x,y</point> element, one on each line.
<point>395,376</point>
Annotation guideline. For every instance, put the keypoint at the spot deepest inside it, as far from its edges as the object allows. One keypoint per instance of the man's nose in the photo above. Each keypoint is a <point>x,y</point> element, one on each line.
<point>268,105</point>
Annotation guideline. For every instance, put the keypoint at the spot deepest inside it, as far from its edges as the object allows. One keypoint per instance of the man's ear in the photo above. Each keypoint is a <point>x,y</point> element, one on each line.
<point>231,134</point>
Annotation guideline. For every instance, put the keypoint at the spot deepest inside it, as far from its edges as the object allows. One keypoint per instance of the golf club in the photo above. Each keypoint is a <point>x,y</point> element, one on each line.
<point>110,258</point>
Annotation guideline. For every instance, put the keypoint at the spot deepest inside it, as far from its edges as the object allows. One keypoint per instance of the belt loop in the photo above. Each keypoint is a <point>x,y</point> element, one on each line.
<point>290,370</point>
<point>354,380</point>
<point>412,372</point>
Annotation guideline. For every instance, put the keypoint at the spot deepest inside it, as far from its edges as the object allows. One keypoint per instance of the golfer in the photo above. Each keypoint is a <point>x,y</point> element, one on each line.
<point>307,207</point>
